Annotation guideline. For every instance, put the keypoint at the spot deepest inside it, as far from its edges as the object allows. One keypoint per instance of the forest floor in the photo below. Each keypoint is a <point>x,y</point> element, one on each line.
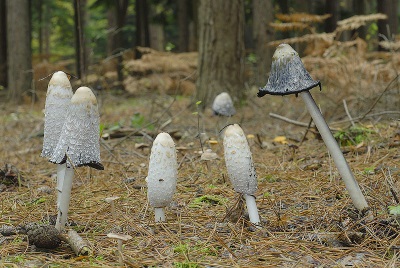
<point>308,219</point>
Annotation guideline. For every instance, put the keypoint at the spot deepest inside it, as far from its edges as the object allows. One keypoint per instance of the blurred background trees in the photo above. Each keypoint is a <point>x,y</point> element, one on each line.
<point>78,35</point>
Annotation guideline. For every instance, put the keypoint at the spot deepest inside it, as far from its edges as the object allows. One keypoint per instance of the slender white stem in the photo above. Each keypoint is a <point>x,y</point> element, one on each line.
<point>120,258</point>
<point>113,214</point>
<point>64,199</point>
<point>159,214</point>
<point>351,184</point>
<point>60,180</point>
<point>252,208</point>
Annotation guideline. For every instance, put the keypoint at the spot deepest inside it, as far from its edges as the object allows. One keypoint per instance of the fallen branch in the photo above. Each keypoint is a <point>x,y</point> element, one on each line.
<point>76,242</point>
<point>348,113</point>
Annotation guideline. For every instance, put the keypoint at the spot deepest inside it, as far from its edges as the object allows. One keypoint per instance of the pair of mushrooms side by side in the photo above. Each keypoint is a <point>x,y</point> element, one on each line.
<point>162,174</point>
<point>71,136</point>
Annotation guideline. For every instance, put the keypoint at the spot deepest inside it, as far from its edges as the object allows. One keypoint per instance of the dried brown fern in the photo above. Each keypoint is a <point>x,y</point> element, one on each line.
<point>289,26</point>
<point>302,17</point>
<point>357,21</point>
<point>390,45</point>
<point>307,38</point>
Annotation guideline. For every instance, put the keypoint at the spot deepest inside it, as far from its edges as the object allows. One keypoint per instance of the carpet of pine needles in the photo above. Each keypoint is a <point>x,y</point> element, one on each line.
<point>308,219</point>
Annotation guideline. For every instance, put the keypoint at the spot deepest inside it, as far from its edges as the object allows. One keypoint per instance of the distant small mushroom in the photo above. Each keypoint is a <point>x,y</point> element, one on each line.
<point>162,174</point>
<point>120,238</point>
<point>223,105</point>
<point>240,167</point>
<point>111,200</point>
<point>288,76</point>
<point>207,156</point>
<point>58,99</point>
<point>79,144</point>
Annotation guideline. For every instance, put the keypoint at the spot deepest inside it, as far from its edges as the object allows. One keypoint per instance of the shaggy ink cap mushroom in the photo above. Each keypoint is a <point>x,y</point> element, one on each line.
<point>238,160</point>
<point>240,167</point>
<point>163,171</point>
<point>80,136</point>
<point>288,74</point>
<point>58,99</point>
<point>223,105</point>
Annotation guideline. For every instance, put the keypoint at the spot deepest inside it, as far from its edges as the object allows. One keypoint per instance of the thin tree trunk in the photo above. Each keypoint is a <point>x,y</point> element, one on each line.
<point>112,26</point>
<point>183,25</point>
<point>221,50</point>
<point>360,9</point>
<point>331,7</point>
<point>3,44</point>
<point>80,40</point>
<point>121,10</point>
<point>384,27</point>
<point>142,24</point>
<point>19,59</point>
<point>193,26</point>
<point>39,9</point>
<point>262,34</point>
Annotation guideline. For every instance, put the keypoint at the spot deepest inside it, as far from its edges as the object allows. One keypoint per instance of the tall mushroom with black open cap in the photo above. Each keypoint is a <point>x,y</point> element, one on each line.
<point>162,174</point>
<point>240,167</point>
<point>58,99</point>
<point>288,76</point>
<point>79,144</point>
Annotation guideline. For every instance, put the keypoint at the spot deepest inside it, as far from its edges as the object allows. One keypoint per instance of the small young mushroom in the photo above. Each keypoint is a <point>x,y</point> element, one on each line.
<point>207,156</point>
<point>111,200</point>
<point>288,76</point>
<point>120,238</point>
<point>79,144</point>
<point>58,99</point>
<point>223,105</point>
<point>161,178</point>
<point>240,167</point>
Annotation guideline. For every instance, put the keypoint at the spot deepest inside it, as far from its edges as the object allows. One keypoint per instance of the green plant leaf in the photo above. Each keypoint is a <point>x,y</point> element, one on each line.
<point>394,210</point>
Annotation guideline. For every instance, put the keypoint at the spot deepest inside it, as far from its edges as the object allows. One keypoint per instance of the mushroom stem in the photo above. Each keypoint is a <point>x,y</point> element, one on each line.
<point>159,214</point>
<point>113,214</point>
<point>252,208</point>
<point>65,198</point>
<point>120,258</point>
<point>351,184</point>
<point>60,180</point>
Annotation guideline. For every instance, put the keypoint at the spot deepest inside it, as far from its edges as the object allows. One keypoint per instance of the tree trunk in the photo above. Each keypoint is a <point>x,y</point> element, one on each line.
<point>183,25</point>
<point>142,24</point>
<point>221,50</point>
<point>332,7</point>
<point>121,9</point>
<point>112,26</point>
<point>3,44</point>
<point>262,34</point>
<point>80,22</point>
<point>359,8</point>
<point>19,60</point>
<point>385,26</point>
<point>193,26</point>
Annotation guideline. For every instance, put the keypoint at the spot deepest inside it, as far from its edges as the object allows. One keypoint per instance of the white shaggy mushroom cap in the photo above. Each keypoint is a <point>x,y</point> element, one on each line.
<point>79,143</point>
<point>163,170</point>
<point>238,160</point>
<point>223,105</point>
<point>58,99</point>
